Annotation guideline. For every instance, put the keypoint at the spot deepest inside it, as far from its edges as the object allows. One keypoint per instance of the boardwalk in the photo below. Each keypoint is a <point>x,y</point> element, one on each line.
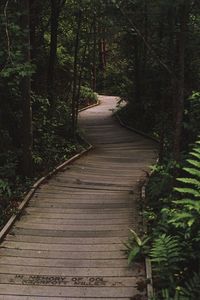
<point>68,243</point>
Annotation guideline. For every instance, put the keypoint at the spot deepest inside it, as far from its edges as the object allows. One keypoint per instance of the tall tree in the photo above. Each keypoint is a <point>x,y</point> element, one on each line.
<point>75,72</point>
<point>54,20</point>
<point>94,67</point>
<point>180,81</point>
<point>25,86</point>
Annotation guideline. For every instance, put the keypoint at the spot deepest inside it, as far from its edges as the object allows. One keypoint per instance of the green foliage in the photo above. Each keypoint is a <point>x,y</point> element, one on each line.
<point>165,294</point>
<point>166,254</point>
<point>136,247</point>
<point>187,212</point>
<point>192,116</point>
<point>5,190</point>
<point>87,96</point>
<point>191,290</point>
<point>160,183</point>
<point>176,233</point>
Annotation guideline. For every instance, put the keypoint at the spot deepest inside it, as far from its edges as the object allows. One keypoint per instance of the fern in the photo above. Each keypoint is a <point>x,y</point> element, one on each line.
<point>166,295</point>
<point>174,256</point>
<point>192,171</point>
<point>187,212</point>
<point>192,181</point>
<point>193,162</point>
<point>166,256</point>
<point>190,191</point>
<point>192,288</point>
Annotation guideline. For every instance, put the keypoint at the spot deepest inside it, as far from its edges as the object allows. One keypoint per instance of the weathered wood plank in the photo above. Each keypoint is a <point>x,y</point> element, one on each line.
<point>26,220</point>
<point>68,281</point>
<point>62,254</point>
<point>64,263</point>
<point>72,233</point>
<point>14,297</point>
<point>61,240</point>
<point>71,227</point>
<point>63,247</point>
<point>75,272</point>
<point>68,291</point>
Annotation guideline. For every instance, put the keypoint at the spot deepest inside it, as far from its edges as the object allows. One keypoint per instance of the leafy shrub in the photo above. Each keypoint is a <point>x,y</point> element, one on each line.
<point>176,233</point>
<point>5,190</point>
<point>191,290</point>
<point>166,255</point>
<point>192,117</point>
<point>137,247</point>
<point>87,96</point>
<point>186,214</point>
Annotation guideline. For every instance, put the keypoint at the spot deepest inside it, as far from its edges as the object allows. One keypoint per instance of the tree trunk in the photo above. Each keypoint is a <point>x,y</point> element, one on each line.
<point>102,46</point>
<point>137,73</point>
<point>75,76</point>
<point>146,33</point>
<point>94,69</point>
<point>27,140</point>
<point>179,85</point>
<point>86,47</point>
<point>53,49</point>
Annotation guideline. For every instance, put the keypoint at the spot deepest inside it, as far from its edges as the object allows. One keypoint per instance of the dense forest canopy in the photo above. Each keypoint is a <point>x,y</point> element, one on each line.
<point>54,56</point>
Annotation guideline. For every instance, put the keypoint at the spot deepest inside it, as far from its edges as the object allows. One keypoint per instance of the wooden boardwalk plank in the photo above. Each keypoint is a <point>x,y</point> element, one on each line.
<point>68,291</point>
<point>68,244</point>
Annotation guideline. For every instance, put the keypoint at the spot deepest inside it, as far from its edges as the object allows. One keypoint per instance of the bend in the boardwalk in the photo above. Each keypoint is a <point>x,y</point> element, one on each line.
<point>68,243</point>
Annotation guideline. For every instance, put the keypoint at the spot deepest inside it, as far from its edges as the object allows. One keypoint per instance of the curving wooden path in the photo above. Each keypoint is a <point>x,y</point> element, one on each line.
<point>68,243</point>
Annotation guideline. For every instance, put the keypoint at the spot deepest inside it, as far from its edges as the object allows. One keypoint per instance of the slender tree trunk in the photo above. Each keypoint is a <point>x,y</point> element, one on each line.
<point>137,73</point>
<point>102,46</point>
<point>179,101</point>
<point>81,72</point>
<point>146,33</point>
<point>75,76</point>
<point>34,21</point>
<point>25,86</point>
<point>94,69</point>
<point>53,49</point>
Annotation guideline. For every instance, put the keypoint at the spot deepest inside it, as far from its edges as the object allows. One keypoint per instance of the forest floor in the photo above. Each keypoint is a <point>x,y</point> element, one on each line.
<point>68,244</point>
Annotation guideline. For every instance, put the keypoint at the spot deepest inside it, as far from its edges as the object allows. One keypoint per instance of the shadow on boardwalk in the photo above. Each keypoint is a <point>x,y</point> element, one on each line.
<point>68,244</point>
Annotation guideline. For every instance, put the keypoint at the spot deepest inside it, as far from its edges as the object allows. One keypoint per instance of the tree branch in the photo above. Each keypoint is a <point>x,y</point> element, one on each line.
<point>148,46</point>
<point>7,31</point>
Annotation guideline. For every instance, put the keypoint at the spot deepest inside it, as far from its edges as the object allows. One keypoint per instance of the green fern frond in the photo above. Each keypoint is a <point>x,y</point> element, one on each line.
<point>192,181</point>
<point>180,216</point>
<point>189,204</point>
<point>192,288</point>
<point>166,254</point>
<point>194,163</point>
<point>133,254</point>
<point>196,149</point>
<point>196,155</point>
<point>192,171</point>
<point>189,191</point>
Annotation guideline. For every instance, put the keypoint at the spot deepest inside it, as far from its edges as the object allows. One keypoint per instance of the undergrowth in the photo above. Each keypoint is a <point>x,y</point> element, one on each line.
<point>52,146</point>
<point>173,219</point>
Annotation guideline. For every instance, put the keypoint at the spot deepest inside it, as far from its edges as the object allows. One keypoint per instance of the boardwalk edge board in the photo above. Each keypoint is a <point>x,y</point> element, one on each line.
<point>148,266</point>
<point>90,106</point>
<point>133,129</point>
<point>36,185</point>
